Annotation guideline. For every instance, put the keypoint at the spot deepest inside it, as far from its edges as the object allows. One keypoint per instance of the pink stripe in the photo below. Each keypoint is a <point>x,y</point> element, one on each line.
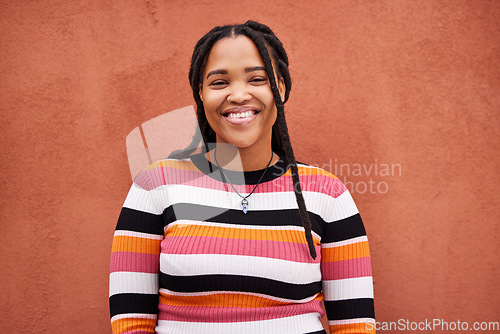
<point>235,314</point>
<point>142,181</point>
<point>316,183</point>
<point>137,332</point>
<point>359,267</point>
<point>290,251</point>
<point>167,175</point>
<point>135,262</point>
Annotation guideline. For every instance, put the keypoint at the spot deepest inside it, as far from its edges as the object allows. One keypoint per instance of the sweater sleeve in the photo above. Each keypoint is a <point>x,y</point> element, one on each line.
<point>346,269</point>
<point>134,269</point>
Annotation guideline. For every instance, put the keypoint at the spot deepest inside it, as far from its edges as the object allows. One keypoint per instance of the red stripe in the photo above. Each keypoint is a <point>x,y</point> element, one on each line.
<point>135,262</point>
<point>359,267</point>
<point>262,248</point>
<point>235,314</point>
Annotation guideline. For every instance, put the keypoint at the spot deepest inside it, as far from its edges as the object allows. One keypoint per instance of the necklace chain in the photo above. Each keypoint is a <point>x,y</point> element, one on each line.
<point>244,201</point>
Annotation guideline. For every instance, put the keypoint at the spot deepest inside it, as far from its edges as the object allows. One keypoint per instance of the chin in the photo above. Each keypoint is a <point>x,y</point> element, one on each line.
<point>242,144</point>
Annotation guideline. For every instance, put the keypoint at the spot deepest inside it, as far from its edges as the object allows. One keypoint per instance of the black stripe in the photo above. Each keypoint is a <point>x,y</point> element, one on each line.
<point>133,303</point>
<point>139,221</point>
<point>201,283</point>
<point>317,332</point>
<point>196,212</point>
<point>350,309</point>
<point>344,229</point>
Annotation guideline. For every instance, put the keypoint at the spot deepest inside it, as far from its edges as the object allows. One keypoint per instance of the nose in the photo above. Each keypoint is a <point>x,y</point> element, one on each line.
<point>238,93</point>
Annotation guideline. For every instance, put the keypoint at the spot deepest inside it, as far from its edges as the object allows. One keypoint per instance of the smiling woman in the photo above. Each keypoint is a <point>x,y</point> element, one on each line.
<point>238,101</point>
<point>240,238</point>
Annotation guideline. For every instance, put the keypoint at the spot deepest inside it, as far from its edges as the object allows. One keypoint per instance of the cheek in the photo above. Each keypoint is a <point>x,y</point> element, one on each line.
<point>212,101</point>
<point>212,118</point>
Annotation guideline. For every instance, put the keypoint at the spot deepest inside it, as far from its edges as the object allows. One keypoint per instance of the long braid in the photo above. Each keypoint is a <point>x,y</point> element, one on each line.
<point>194,74</point>
<point>257,40</point>
<point>265,40</point>
<point>200,52</point>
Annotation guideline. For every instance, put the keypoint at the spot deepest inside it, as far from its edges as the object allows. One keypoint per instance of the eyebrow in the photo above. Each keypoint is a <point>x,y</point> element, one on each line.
<point>255,68</point>
<point>247,70</point>
<point>216,72</point>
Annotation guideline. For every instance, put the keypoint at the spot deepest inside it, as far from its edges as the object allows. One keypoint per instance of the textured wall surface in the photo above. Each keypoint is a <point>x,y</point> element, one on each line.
<point>400,99</point>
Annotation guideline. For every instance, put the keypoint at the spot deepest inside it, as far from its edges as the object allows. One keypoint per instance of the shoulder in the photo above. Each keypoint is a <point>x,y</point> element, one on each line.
<point>163,171</point>
<point>310,169</point>
<point>322,179</point>
<point>179,164</point>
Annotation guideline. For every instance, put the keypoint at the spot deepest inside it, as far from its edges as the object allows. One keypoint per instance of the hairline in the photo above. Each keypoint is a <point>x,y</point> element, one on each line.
<point>232,34</point>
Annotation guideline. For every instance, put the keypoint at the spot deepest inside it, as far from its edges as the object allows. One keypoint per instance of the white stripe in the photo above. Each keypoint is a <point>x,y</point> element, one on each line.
<point>167,292</point>
<point>179,193</point>
<point>308,166</point>
<point>184,223</point>
<point>131,282</point>
<point>329,208</point>
<point>139,199</point>
<point>280,200</point>
<point>213,264</point>
<point>343,207</point>
<point>133,315</point>
<point>351,321</point>
<point>298,324</point>
<point>349,288</point>
<point>125,233</point>
<point>345,242</point>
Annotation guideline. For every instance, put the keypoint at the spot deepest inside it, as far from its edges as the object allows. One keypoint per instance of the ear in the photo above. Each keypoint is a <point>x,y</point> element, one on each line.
<point>282,88</point>
<point>199,93</point>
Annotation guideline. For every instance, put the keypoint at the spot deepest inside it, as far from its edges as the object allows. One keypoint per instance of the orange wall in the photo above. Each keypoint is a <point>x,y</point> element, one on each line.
<point>413,84</point>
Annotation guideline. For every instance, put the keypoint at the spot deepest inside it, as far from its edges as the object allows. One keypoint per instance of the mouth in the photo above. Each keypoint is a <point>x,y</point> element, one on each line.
<point>240,115</point>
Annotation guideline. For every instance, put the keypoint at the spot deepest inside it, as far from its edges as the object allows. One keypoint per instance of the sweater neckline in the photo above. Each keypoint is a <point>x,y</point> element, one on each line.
<point>238,177</point>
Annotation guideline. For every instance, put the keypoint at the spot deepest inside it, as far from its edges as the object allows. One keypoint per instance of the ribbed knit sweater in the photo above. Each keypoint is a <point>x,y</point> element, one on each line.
<point>186,259</point>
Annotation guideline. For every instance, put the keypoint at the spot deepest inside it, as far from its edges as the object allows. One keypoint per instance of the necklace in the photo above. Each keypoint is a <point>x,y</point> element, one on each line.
<point>244,201</point>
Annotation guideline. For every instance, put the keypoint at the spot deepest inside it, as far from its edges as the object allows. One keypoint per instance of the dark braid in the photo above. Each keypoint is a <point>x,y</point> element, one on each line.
<point>265,41</point>
<point>257,40</point>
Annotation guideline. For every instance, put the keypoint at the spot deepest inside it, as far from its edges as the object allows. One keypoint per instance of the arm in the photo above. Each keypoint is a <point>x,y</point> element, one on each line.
<point>134,270</point>
<point>346,268</point>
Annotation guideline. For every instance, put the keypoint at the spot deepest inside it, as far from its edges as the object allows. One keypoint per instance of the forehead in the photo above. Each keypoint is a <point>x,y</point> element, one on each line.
<point>233,52</point>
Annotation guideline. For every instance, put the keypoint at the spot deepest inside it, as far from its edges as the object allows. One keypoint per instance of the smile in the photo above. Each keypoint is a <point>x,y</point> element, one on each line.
<point>241,115</point>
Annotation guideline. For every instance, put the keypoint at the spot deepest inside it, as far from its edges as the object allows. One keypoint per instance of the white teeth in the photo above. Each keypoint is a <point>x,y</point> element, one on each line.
<point>241,115</point>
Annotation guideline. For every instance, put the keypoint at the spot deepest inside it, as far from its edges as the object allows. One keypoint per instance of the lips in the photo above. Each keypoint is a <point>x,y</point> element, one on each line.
<point>240,115</point>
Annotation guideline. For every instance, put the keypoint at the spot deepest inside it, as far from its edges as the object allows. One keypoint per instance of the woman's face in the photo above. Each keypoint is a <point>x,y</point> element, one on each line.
<point>236,94</point>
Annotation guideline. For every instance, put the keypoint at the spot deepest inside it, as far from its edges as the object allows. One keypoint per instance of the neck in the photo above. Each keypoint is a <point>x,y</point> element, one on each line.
<point>241,159</point>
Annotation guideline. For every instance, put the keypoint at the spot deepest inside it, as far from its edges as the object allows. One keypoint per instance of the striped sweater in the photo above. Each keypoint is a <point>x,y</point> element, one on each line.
<point>186,259</point>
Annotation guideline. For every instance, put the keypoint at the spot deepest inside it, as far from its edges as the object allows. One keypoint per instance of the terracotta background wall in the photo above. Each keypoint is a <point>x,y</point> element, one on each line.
<point>410,85</point>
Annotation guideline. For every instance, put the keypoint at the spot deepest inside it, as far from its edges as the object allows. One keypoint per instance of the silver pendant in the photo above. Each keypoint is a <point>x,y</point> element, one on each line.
<point>244,204</point>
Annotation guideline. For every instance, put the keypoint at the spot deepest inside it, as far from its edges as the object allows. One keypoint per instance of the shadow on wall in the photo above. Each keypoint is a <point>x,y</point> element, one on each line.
<point>155,139</point>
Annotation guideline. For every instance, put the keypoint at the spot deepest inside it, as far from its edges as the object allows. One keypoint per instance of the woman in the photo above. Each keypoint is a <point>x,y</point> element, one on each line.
<point>239,238</point>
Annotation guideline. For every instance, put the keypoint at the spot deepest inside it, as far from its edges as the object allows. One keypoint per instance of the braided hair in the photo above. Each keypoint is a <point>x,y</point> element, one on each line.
<point>270,48</point>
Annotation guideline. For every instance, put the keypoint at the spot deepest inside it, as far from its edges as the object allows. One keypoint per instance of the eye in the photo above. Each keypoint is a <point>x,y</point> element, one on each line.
<point>259,80</point>
<point>218,84</point>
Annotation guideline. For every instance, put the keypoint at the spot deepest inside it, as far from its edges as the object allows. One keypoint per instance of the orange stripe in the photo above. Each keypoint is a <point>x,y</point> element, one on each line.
<point>192,230</point>
<point>224,300</point>
<point>303,170</point>
<point>346,252</point>
<point>133,324</point>
<point>361,327</point>
<point>189,166</point>
<point>181,165</point>
<point>135,244</point>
